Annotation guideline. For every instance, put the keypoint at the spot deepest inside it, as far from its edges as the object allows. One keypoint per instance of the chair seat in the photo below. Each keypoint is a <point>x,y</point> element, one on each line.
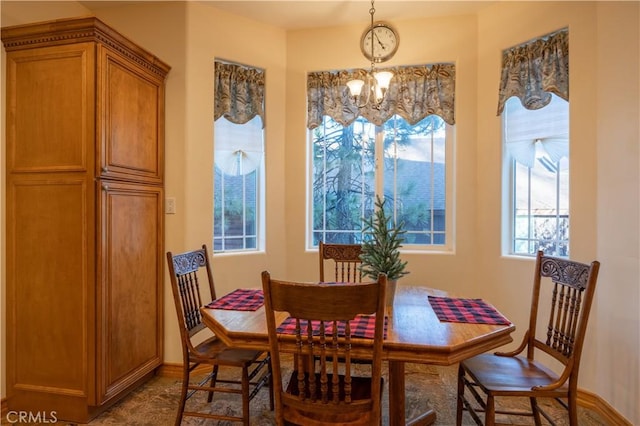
<point>502,375</point>
<point>214,348</point>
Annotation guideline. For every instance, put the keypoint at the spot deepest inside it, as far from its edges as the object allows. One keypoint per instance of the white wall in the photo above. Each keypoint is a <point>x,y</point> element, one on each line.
<point>616,366</point>
<point>605,182</point>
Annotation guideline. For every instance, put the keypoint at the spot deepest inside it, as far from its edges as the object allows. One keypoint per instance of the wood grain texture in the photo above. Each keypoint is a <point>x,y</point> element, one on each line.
<point>414,334</point>
<point>85,136</point>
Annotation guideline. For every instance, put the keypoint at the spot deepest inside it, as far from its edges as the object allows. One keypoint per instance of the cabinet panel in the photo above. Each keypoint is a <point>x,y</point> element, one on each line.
<point>132,136</point>
<point>130,340</point>
<point>49,108</point>
<point>50,252</point>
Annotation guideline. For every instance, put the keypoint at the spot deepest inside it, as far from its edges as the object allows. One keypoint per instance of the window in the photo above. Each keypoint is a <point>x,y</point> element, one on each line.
<point>238,177</point>
<point>536,144</point>
<point>407,164</point>
<point>238,118</point>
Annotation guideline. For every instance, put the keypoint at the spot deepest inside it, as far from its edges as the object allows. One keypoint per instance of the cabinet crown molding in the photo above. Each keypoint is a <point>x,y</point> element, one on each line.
<point>78,30</point>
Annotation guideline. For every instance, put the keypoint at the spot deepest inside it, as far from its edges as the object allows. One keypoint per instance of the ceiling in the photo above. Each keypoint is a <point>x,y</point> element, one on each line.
<point>298,14</point>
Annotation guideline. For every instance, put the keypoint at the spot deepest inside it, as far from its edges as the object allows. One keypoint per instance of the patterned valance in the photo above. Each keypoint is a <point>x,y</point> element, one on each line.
<point>239,92</point>
<point>534,70</point>
<point>415,92</point>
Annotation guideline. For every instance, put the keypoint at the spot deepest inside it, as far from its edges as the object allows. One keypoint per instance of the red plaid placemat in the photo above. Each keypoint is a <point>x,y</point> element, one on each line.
<point>362,326</point>
<point>242,299</point>
<point>475,311</point>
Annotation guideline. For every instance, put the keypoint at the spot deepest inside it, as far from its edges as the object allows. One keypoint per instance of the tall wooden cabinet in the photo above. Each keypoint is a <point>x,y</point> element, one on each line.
<point>84,197</point>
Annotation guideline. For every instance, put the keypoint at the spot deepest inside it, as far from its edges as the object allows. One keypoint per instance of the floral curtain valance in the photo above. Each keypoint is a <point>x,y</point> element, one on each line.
<point>239,93</point>
<point>534,70</point>
<point>415,92</point>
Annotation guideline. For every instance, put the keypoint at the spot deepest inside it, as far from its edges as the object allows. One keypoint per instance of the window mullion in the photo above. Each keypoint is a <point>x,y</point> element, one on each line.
<point>513,204</point>
<point>394,183</point>
<point>379,161</point>
<point>557,215</point>
<point>223,215</point>
<point>432,217</point>
<point>363,183</point>
<point>530,217</point>
<point>324,182</point>
<point>244,206</point>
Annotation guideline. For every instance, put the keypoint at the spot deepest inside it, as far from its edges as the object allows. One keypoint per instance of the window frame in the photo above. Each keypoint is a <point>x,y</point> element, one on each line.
<point>509,239</point>
<point>260,205</point>
<point>449,190</point>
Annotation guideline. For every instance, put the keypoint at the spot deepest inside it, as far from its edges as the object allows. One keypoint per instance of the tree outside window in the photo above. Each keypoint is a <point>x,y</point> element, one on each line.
<point>405,163</point>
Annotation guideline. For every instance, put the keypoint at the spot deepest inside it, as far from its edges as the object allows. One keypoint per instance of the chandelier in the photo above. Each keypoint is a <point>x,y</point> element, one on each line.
<point>376,83</point>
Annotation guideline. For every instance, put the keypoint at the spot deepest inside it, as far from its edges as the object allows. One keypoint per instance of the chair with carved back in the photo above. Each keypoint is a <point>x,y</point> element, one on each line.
<point>322,318</point>
<point>346,261</point>
<point>568,287</point>
<point>190,272</point>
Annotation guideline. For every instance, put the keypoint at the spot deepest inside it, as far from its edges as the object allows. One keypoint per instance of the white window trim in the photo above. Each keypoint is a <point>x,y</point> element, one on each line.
<point>450,204</point>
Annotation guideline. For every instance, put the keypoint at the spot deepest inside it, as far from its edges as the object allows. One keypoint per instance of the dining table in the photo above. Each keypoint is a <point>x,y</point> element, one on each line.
<point>415,333</point>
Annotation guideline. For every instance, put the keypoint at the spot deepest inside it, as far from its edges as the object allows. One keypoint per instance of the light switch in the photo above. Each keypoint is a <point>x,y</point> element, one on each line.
<point>170,205</point>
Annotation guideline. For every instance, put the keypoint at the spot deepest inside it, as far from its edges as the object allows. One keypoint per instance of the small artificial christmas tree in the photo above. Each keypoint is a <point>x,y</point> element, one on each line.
<point>380,246</point>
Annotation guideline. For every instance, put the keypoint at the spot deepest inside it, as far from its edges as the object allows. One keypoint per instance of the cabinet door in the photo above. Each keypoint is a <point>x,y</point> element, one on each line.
<point>50,245</point>
<point>129,342</point>
<point>130,119</point>
<point>50,109</point>
<point>50,292</point>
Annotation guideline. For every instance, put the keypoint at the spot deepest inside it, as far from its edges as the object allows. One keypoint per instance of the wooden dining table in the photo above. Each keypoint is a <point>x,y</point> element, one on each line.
<point>414,334</point>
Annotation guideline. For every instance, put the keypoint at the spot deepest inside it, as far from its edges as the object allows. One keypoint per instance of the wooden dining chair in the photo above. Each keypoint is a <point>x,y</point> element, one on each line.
<point>190,272</point>
<point>322,317</point>
<point>344,259</point>
<point>569,288</point>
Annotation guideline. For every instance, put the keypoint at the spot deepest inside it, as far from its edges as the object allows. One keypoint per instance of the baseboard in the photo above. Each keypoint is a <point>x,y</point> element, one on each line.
<point>598,405</point>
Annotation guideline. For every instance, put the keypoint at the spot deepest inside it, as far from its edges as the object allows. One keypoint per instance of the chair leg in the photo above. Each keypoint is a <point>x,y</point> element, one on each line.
<point>572,406</point>
<point>490,414</point>
<point>271,390</point>
<point>460,398</point>
<point>183,392</point>
<point>535,411</point>
<point>214,378</point>
<point>245,395</point>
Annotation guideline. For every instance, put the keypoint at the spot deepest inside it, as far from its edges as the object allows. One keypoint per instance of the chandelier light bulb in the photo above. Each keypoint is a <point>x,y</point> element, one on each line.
<point>355,87</point>
<point>383,78</point>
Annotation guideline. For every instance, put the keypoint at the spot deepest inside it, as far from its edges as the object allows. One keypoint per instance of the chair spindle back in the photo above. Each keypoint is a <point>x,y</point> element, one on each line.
<point>323,385</point>
<point>187,268</point>
<point>346,261</point>
<point>570,286</point>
